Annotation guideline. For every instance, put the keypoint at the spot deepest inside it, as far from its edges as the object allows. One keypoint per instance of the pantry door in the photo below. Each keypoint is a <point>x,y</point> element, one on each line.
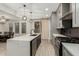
<point>45,29</point>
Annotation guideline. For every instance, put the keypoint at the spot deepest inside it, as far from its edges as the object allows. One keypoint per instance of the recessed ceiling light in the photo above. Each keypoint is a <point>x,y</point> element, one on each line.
<point>46,9</point>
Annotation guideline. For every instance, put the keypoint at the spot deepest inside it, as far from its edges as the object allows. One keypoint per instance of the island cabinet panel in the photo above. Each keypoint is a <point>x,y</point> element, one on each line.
<point>33,47</point>
<point>34,44</point>
<point>38,41</point>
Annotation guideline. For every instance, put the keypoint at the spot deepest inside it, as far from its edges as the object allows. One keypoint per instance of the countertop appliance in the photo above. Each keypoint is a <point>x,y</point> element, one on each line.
<point>58,43</point>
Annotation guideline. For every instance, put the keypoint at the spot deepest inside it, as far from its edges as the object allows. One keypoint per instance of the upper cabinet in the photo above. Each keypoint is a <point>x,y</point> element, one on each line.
<point>66,11</point>
<point>59,15</point>
<point>75,9</point>
<point>59,11</point>
<point>68,15</point>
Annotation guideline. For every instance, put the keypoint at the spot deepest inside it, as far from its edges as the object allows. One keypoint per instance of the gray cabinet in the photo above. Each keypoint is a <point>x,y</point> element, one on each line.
<point>34,47</point>
<point>34,44</point>
<point>38,41</point>
<point>68,11</point>
<point>71,9</point>
<point>64,12</point>
<point>75,9</point>
<point>65,52</point>
<point>59,15</point>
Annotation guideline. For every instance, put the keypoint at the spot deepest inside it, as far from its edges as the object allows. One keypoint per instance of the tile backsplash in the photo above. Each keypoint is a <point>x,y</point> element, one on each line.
<point>73,32</point>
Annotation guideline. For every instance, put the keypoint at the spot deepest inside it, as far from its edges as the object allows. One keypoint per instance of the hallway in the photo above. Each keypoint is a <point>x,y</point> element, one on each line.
<point>45,49</point>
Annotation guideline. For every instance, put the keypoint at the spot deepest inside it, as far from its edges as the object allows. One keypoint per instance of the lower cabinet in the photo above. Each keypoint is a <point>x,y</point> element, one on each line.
<point>65,52</point>
<point>34,45</point>
<point>38,41</point>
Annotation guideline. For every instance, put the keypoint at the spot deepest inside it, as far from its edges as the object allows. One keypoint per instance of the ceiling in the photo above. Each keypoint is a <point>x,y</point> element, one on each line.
<point>39,10</point>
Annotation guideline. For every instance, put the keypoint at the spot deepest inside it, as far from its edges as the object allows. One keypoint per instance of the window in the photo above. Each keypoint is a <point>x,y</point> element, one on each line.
<point>23,25</point>
<point>10,27</point>
<point>17,27</point>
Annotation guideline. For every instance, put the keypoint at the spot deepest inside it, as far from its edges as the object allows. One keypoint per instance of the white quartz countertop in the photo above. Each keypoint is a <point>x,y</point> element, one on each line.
<point>59,35</point>
<point>72,48</point>
<point>24,37</point>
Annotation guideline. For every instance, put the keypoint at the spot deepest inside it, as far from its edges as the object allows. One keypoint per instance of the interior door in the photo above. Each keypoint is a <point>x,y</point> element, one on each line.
<point>45,29</point>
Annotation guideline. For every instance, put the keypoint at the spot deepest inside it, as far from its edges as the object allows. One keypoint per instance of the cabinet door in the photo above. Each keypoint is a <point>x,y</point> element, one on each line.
<point>57,19</point>
<point>38,41</point>
<point>75,10</point>
<point>59,15</point>
<point>34,47</point>
<point>66,53</point>
<point>60,11</point>
<point>60,24</point>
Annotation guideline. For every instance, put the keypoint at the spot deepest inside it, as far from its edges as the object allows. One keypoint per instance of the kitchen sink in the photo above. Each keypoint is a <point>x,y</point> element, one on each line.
<point>33,34</point>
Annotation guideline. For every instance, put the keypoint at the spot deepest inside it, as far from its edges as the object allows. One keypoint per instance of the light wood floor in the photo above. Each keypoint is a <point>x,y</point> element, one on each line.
<point>45,49</point>
<point>2,49</point>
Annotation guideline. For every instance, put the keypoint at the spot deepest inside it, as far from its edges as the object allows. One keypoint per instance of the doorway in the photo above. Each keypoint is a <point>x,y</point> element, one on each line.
<point>45,29</point>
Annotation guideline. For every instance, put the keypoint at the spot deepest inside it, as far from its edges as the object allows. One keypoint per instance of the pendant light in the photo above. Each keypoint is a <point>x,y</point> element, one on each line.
<point>24,17</point>
<point>31,12</point>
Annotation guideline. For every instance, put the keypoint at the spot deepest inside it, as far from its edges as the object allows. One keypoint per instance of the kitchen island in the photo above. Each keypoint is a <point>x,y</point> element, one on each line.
<point>25,45</point>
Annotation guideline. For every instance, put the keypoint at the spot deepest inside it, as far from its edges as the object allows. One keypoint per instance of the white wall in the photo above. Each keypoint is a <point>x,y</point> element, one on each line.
<point>49,28</point>
<point>29,27</point>
<point>4,27</point>
<point>8,14</point>
<point>53,24</point>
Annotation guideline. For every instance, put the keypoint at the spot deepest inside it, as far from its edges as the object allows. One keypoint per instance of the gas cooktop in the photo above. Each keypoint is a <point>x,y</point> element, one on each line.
<point>69,39</point>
